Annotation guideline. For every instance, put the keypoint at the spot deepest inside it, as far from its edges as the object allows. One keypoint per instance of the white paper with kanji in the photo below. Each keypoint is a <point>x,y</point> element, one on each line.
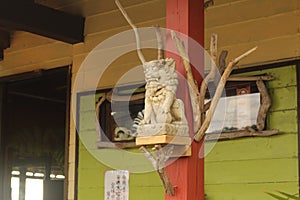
<point>116,185</point>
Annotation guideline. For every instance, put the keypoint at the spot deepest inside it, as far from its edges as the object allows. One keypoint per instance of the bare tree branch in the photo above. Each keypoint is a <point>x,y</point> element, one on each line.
<point>250,78</point>
<point>160,44</point>
<point>138,41</point>
<point>222,61</point>
<point>159,163</point>
<point>211,75</point>
<point>264,105</point>
<point>193,87</point>
<point>218,94</point>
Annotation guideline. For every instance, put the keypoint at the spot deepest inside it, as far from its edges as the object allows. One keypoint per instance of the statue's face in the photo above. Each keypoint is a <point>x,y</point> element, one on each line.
<point>159,72</point>
<point>151,70</point>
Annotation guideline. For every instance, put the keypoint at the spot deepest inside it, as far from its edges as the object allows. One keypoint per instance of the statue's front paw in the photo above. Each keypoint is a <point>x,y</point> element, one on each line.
<point>164,118</point>
<point>165,112</point>
<point>143,122</point>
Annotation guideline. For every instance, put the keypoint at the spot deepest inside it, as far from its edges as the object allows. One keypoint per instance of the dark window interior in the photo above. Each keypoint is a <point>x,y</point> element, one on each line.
<point>119,114</point>
<point>34,128</point>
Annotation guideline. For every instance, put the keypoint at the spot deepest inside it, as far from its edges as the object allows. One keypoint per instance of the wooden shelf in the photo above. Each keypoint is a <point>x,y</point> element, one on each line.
<point>163,139</point>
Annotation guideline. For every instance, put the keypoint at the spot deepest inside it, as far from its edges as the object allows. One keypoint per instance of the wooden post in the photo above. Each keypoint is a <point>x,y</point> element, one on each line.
<point>22,186</point>
<point>46,185</point>
<point>187,174</point>
<point>2,147</point>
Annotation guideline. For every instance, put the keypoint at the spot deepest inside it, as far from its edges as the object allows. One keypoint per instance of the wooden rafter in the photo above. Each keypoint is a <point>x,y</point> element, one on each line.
<point>35,18</point>
<point>4,42</point>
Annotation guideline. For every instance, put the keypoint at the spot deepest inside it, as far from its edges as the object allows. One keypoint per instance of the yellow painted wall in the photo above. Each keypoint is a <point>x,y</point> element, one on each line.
<point>272,25</point>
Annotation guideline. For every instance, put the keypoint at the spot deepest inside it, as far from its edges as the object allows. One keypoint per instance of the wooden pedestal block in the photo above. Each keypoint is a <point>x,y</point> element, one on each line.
<point>163,139</point>
<point>181,144</point>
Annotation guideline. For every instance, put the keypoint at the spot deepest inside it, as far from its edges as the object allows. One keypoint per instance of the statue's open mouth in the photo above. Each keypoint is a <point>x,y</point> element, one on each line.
<point>159,91</point>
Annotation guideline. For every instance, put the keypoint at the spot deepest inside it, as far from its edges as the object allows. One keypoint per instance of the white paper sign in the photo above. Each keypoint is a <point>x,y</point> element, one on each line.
<point>236,111</point>
<point>116,185</point>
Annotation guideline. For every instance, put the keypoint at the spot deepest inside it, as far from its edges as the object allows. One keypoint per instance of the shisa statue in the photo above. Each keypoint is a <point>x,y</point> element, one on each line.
<point>164,113</point>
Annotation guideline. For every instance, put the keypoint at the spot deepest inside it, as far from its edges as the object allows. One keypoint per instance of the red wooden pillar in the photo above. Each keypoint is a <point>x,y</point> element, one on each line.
<point>187,174</point>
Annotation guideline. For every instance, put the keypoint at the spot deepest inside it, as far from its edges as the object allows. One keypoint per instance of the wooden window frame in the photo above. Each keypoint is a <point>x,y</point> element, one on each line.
<point>103,99</point>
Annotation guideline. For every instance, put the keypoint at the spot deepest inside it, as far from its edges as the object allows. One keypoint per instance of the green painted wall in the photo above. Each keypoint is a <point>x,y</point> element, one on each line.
<point>239,169</point>
<point>91,181</point>
<point>247,168</point>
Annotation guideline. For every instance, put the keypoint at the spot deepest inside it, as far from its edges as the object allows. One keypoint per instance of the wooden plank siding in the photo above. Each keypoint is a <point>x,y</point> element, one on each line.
<point>248,168</point>
<point>271,25</point>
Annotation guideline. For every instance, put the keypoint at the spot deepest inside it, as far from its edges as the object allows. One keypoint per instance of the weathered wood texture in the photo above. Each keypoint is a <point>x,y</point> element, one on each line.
<point>248,167</point>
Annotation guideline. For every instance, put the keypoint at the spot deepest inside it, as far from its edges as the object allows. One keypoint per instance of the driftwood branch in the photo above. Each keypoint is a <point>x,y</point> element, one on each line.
<point>239,134</point>
<point>98,105</point>
<point>236,60</point>
<point>250,78</point>
<point>211,75</point>
<point>193,87</point>
<point>162,156</point>
<point>138,41</point>
<point>218,94</point>
<point>149,156</point>
<point>222,61</point>
<point>159,163</point>
<point>186,62</point>
<point>264,105</point>
<point>206,106</point>
<point>160,43</point>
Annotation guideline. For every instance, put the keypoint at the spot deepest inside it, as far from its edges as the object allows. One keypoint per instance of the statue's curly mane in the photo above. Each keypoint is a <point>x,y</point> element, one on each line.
<point>161,74</point>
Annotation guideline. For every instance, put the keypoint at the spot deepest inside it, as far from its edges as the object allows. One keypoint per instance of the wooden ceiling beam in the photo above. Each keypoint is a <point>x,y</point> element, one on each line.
<point>35,18</point>
<point>4,42</point>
